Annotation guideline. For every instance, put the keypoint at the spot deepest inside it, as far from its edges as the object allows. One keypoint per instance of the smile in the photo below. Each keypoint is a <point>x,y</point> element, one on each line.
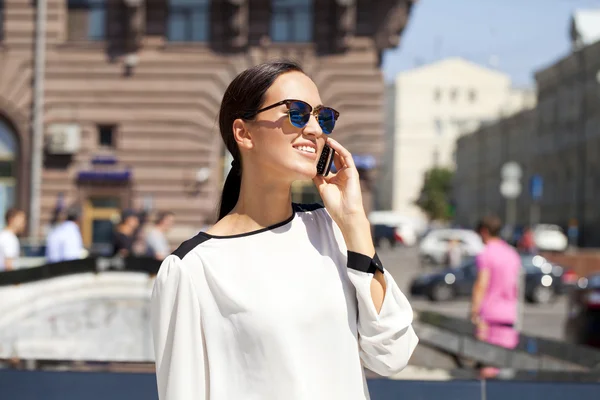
<point>306,149</point>
<point>309,152</point>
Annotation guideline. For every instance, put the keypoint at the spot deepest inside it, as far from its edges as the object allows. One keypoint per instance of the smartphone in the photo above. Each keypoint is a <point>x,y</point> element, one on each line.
<point>324,164</point>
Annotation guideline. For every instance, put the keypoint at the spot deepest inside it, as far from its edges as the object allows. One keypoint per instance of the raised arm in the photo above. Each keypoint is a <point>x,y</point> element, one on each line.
<point>386,337</point>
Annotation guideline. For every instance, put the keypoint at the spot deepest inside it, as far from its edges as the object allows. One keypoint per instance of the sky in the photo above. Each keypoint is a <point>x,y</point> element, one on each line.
<point>517,37</point>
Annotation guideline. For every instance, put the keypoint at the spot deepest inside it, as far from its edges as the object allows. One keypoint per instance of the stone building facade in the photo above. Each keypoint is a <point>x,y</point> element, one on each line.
<point>132,90</point>
<point>558,140</point>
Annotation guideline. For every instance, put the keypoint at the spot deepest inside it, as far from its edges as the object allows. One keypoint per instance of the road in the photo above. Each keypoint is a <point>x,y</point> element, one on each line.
<point>539,320</point>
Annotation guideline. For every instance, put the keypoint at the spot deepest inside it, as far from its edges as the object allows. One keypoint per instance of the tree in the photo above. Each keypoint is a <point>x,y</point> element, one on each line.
<point>436,194</point>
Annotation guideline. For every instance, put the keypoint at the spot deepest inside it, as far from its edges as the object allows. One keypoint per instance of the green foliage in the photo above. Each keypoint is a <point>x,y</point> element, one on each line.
<point>436,194</point>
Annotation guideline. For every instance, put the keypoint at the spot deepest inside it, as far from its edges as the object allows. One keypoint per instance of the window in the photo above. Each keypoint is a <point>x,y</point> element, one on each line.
<point>292,21</point>
<point>1,19</point>
<point>439,127</point>
<point>106,135</point>
<point>86,20</point>
<point>437,95</point>
<point>436,157</point>
<point>453,94</point>
<point>188,20</point>
<point>472,96</point>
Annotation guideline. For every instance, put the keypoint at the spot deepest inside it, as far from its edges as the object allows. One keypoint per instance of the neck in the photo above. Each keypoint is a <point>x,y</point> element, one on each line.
<point>125,229</point>
<point>261,204</point>
<point>492,239</point>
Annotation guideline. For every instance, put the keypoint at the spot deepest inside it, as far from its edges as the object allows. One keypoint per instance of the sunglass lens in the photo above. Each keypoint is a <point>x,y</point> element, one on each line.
<point>327,120</point>
<point>299,114</point>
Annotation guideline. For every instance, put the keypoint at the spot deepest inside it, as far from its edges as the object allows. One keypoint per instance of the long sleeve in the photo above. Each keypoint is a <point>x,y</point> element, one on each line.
<point>386,340</point>
<point>177,333</point>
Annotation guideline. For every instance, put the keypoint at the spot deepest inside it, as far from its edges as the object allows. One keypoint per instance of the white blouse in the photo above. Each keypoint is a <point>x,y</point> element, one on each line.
<point>281,313</point>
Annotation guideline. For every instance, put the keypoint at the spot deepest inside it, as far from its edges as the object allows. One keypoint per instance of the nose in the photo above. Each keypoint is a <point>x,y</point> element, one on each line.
<point>313,127</point>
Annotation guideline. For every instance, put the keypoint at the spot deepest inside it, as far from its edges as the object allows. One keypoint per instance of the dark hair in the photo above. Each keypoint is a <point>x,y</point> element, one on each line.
<point>243,97</point>
<point>11,213</point>
<point>161,216</point>
<point>490,223</point>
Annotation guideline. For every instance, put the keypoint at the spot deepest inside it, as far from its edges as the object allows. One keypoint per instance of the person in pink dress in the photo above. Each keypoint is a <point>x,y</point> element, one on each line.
<point>495,293</point>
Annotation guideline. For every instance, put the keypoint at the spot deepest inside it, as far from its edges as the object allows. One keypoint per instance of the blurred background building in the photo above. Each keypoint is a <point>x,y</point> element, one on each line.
<point>431,106</point>
<point>131,92</point>
<point>558,141</point>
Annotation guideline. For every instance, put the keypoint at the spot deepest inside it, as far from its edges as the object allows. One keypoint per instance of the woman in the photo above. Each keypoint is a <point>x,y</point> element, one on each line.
<point>276,300</point>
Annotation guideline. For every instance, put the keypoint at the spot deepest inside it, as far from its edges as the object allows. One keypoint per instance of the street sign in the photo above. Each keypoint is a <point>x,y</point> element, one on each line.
<point>536,187</point>
<point>510,189</point>
<point>511,171</point>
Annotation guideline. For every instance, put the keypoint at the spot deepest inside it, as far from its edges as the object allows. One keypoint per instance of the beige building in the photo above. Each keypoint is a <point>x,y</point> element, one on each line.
<point>434,105</point>
<point>559,140</point>
<point>132,91</point>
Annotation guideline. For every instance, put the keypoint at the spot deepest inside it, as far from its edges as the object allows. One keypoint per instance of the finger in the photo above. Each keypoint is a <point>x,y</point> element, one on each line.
<point>338,161</point>
<point>319,181</point>
<point>341,150</point>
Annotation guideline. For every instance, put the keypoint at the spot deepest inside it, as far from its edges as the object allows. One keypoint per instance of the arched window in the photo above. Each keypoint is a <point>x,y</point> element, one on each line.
<point>8,170</point>
<point>292,21</point>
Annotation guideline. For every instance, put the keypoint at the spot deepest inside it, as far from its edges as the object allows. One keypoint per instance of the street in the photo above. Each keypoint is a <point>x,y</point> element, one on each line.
<point>539,320</point>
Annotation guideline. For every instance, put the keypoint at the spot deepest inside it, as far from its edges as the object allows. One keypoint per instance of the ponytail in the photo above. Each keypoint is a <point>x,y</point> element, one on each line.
<point>231,189</point>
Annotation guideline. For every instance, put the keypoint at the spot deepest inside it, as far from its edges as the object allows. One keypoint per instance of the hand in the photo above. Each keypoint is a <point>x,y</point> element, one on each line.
<point>341,192</point>
<point>481,332</point>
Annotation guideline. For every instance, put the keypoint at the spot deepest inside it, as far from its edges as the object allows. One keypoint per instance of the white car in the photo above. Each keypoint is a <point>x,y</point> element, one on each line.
<point>550,238</point>
<point>434,246</point>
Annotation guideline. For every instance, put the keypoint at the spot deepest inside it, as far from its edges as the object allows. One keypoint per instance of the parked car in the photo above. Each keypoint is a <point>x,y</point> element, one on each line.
<point>434,246</point>
<point>549,237</point>
<point>543,281</point>
<point>583,317</point>
<point>385,236</point>
<point>406,229</point>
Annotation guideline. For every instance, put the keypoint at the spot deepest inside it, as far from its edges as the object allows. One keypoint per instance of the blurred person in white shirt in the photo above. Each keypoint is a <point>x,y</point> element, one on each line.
<point>64,241</point>
<point>156,239</point>
<point>10,248</point>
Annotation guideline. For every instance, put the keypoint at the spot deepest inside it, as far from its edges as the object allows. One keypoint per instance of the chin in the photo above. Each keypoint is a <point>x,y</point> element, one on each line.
<point>303,172</point>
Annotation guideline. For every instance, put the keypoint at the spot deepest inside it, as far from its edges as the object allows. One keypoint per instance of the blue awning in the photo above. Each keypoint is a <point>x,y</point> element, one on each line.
<point>104,176</point>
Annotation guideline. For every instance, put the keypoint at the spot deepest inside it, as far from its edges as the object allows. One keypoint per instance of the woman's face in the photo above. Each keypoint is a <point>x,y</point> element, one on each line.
<point>280,150</point>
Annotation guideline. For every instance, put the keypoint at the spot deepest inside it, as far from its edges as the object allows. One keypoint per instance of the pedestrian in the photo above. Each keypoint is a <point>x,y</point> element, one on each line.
<point>573,233</point>
<point>156,239</point>
<point>495,292</point>
<point>64,242</point>
<point>10,248</point>
<point>279,300</point>
<point>125,234</point>
<point>526,243</point>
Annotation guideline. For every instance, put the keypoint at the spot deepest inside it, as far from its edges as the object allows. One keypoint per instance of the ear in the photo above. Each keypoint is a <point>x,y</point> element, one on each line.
<point>241,134</point>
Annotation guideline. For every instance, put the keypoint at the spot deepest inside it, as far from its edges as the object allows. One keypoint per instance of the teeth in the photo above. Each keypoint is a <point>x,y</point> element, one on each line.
<point>307,149</point>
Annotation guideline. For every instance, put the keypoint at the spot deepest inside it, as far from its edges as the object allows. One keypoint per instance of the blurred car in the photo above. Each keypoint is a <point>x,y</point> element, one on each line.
<point>407,234</point>
<point>543,281</point>
<point>385,236</point>
<point>406,229</point>
<point>434,246</point>
<point>33,254</point>
<point>549,237</point>
<point>583,317</point>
